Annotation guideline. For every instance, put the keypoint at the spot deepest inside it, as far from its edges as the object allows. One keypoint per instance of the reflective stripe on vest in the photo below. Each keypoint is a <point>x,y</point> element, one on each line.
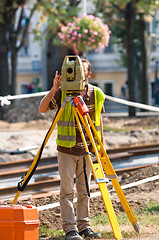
<point>66,136</point>
<point>66,123</point>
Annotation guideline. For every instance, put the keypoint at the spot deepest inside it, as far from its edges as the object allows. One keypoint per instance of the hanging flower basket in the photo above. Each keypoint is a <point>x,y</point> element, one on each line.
<point>86,33</point>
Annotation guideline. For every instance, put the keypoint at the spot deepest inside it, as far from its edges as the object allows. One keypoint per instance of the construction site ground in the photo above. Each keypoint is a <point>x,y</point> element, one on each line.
<point>128,131</point>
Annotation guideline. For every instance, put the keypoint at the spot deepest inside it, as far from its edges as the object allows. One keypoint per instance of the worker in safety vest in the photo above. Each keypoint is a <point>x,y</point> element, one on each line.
<point>71,152</point>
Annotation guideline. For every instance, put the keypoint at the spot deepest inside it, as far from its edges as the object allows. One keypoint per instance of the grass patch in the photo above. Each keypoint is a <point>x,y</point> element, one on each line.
<point>126,128</point>
<point>148,215</point>
<point>113,129</point>
<point>45,232</point>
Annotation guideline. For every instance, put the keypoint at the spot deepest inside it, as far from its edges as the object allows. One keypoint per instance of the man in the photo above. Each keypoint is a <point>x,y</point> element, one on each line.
<point>71,153</point>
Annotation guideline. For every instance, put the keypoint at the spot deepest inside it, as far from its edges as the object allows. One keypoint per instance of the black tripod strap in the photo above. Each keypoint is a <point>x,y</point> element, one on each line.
<point>85,175</point>
<point>22,184</point>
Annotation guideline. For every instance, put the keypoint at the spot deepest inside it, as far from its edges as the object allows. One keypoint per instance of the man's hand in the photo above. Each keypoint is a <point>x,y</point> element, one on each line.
<point>56,81</point>
<point>44,104</point>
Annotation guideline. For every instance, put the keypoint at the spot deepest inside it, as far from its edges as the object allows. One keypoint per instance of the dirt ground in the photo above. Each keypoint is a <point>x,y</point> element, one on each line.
<point>137,197</point>
<point>137,131</point>
<point>28,134</point>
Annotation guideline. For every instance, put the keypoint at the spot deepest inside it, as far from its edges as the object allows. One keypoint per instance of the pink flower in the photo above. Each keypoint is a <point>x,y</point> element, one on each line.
<point>76,51</point>
<point>75,34</point>
<point>85,30</point>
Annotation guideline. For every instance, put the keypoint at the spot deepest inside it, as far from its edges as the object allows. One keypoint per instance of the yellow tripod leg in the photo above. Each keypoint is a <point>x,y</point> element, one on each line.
<point>42,146</point>
<point>99,176</point>
<point>107,201</point>
<point>84,140</point>
<point>109,170</point>
<point>122,198</point>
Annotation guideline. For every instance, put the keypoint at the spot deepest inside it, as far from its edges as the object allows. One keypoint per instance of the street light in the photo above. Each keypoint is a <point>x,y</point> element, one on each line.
<point>84,7</point>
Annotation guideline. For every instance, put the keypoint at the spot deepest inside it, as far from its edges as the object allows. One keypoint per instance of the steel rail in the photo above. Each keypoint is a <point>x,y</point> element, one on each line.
<point>114,153</point>
<point>11,170</point>
<point>49,164</point>
<point>50,185</point>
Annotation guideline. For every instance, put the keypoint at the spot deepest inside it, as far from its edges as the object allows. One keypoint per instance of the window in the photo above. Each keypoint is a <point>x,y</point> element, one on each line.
<point>109,49</point>
<point>108,88</point>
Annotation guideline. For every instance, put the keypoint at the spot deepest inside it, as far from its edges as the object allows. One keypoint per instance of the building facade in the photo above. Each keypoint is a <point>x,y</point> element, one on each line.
<point>107,72</point>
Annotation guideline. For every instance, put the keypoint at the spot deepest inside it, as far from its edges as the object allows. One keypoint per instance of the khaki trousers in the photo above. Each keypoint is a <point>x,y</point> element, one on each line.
<point>70,166</point>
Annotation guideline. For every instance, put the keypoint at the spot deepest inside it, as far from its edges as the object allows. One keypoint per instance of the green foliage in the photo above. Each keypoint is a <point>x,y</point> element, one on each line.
<point>9,8</point>
<point>113,13</point>
<point>45,232</point>
<point>120,3</point>
<point>61,12</point>
<point>13,30</point>
<point>57,13</point>
<point>144,5</point>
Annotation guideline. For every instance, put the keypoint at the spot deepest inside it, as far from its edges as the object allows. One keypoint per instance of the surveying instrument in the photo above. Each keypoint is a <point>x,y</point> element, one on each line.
<point>73,81</point>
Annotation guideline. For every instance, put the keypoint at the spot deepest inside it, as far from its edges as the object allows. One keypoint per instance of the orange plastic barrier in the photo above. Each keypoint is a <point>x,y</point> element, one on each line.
<point>19,222</point>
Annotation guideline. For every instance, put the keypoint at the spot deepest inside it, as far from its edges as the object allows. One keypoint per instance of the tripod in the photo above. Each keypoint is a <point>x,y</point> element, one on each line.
<point>102,170</point>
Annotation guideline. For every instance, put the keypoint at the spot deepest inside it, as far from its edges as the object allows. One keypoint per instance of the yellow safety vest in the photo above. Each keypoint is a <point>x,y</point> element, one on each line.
<point>99,101</point>
<point>66,133</point>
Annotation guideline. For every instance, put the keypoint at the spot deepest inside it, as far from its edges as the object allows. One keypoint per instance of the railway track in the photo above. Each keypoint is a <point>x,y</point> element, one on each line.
<point>46,179</point>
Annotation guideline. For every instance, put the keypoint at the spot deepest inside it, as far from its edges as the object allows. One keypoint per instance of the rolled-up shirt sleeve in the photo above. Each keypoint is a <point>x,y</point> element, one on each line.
<point>56,100</point>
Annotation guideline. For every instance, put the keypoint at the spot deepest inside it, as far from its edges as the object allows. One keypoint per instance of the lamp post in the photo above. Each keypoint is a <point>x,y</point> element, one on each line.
<point>84,13</point>
<point>84,7</point>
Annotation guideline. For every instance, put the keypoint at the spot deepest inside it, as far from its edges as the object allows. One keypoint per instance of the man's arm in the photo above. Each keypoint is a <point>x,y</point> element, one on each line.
<point>44,104</point>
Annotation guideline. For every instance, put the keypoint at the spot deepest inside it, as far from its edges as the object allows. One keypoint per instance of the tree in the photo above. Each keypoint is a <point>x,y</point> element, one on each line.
<point>129,10</point>
<point>130,13</point>
<point>138,8</point>
<point>56,13</point>
<point>12,35</point>
<point>13,31</point>
<point>144,36</point>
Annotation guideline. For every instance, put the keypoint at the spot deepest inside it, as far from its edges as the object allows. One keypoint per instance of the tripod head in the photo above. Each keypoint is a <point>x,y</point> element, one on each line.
<point>80,104</point>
